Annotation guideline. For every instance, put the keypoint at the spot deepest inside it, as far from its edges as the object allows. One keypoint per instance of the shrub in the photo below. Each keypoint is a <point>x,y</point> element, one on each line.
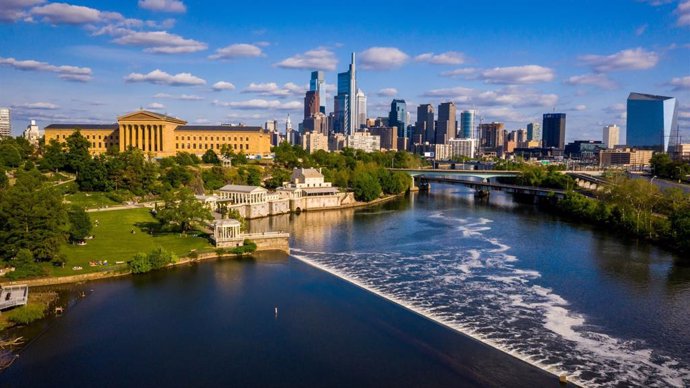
<point>26,314</point>
<point>140,263</point>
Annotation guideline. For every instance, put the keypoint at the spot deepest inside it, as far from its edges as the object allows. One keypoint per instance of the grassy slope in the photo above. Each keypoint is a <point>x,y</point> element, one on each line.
<point>114,241</point>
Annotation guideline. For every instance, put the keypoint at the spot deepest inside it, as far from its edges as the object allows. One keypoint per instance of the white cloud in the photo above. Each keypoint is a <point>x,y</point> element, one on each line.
<point>527,74</point>
<point>37,106</point>
<point>160,42</point>
<point>681,83</point>
<point>387,92</point>
<point>13,10</point>
<point>222,85</point>
<point>317,59</point>
<point>202,121</point>
<point>599,80</point>
<point>162,78</point>
<point>615,108</point>
<point>466,71</point>
<point>630,59</point>
<point>580,107</point>
<point>69,73</point>
<point>155,106</point>
<point>683,13</point>
<point>508,96</point>
<point>639,31</point>
<point>447,58</point>
<point>239,50</point>
<point>174,6</point>
<point>259,104</point>
<point>382,58</point>
<point>272,89</point>
<point>62,13</point>
<point>183,97</point>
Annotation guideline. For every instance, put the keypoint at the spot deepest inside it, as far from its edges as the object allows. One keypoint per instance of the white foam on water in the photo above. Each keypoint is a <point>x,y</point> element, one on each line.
<point>479,293</point>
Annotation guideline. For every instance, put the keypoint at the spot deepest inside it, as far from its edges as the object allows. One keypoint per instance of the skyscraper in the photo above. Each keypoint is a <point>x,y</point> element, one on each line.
<point>5,126</point>
<point>611,135</point>
<point>424,127</point>
<point>316,84</point>
<point>311,104</point>
<point>652,121</point>
<point>491,135</point>
<point>345,105</point>
<point>553,127</point>
<point>467,124</point>
<point>446,126</point>
<point>361,104</point>
<point>398,116</point>
<point>534,132</point>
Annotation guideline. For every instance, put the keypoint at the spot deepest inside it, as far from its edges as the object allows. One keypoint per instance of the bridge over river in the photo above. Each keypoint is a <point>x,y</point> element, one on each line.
<point>483,187</point>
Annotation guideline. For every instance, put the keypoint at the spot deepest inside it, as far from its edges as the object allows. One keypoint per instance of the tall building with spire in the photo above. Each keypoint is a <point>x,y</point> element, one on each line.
<point>344,104</point>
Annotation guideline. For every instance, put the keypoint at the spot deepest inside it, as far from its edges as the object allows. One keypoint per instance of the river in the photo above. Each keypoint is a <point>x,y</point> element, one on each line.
<point>564,297</point>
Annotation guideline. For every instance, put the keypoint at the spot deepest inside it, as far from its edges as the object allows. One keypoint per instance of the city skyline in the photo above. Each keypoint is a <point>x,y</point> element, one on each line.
<point>97,60</point>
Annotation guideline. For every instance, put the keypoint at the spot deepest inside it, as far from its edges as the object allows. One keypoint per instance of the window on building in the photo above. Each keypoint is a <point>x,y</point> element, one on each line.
<point>194,145</point>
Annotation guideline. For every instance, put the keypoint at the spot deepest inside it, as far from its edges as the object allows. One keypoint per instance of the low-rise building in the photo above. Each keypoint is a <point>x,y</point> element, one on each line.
<point>363,140</point>
<point>314,141</point>
<point>625,157</point>
<point>31,133</point>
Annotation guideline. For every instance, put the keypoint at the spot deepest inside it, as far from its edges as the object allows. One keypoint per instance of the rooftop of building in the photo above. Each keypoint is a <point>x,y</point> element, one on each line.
<point>647,97</point>
<point>242,188</point>
<point>307,172</point>
<point>82,126</point>
<point>226,128</point>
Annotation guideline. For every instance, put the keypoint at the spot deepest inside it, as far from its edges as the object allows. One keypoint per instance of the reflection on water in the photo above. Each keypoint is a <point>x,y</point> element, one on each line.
<point>568,297</point>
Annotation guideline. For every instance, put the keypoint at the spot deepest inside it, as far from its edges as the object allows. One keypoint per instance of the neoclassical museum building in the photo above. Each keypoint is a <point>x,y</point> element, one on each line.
<point>161,135</point>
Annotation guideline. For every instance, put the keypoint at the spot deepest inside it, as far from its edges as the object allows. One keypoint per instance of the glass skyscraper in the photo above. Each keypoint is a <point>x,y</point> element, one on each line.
<point>553,130</point>
<point>652,121</point>
<point>316,84</point>
<point>534,132</point>
<point>398,117</point>
<point>345,106</point>
<point>467,125</point>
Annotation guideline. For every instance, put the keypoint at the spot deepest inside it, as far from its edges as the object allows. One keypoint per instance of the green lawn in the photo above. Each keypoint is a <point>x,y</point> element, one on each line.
<point>90,200</point>
<point>114,241</point>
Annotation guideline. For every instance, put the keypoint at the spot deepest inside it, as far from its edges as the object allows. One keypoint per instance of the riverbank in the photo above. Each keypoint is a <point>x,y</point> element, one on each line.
<point>200,256</point>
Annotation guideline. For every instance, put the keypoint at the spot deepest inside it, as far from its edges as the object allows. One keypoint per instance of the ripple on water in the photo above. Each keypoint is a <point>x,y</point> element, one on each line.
<point>471,285</point>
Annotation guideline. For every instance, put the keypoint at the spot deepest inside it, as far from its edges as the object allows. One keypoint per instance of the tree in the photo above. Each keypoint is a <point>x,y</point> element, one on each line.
<point>77,151</point>
<point>210,157</point>
<point>54,157</point>
<point>33,217</point>
<point>278,176</point>
<point>25,266</point>
<point>79,224</point>
<point>4,181</point>
<point>366,187</point>
<point>9,155</point>
<point>156,259</point>
<point>177,176</point>
<point>93,175</point>
<point>181,210</point>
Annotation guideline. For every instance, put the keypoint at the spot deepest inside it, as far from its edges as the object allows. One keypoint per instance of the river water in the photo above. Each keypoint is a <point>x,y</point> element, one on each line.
<point>568,298</point>
<point>564,297</point>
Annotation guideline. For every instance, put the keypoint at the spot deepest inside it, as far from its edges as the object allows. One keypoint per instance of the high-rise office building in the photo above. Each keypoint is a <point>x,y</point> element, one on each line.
<point>316,84</point>
<point>467,124</point>
<point>491,135</point>
<point>534,132</point>
<point>311,104</point>
<point>446,126</point>
<point>652,122</point>
<point>553,130</point>
<point>5,125</point>
<point>361,105</point>
<point>424,127</point>
<point>345,105</point>
<point>611,136</point>
<point>398,116</point>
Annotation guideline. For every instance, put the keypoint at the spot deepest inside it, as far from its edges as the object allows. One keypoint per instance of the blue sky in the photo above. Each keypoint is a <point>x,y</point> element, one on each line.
<point>218,61</point>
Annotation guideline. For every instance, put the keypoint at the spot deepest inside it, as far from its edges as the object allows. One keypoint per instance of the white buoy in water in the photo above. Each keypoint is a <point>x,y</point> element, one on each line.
<point>276,310</point>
